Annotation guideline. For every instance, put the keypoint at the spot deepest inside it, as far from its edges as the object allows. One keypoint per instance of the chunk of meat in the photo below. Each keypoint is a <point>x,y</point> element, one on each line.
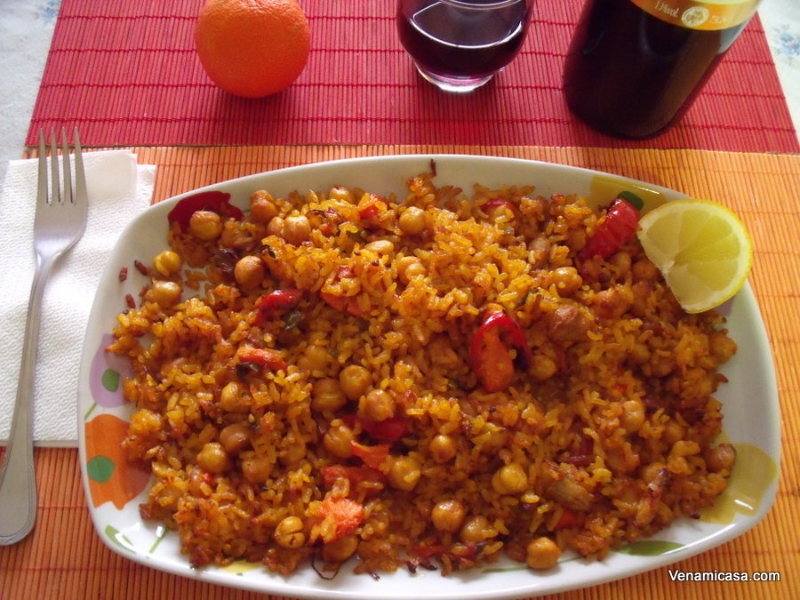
<point>568,323</point>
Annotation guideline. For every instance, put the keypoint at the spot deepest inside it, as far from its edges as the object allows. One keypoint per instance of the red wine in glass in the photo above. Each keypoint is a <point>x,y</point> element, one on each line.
<point>459,45</point>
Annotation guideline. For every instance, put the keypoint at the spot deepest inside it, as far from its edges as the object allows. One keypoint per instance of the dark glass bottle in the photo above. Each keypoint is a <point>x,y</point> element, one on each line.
<point>634,67</point>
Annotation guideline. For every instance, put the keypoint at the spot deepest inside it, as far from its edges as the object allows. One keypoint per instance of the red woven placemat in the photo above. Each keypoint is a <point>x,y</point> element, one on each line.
<point>126,73</point>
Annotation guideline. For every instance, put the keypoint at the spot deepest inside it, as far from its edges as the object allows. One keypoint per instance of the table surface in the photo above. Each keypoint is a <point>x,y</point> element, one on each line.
<point>40,566</point>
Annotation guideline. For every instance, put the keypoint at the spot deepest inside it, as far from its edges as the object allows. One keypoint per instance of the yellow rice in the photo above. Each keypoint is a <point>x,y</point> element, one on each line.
<point>611,430</point>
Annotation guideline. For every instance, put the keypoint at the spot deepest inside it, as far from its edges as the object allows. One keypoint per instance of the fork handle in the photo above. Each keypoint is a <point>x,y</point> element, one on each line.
<point>17,476</point>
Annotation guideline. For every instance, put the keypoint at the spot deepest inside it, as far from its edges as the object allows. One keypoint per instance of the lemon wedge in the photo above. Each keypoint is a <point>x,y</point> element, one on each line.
<point>701,247</point>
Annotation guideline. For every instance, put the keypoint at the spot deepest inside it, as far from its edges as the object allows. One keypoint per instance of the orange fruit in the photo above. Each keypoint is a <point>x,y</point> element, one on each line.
<point>252,48</point>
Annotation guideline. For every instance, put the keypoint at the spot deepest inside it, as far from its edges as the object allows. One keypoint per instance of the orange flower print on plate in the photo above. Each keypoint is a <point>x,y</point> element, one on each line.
<point>111,477</point>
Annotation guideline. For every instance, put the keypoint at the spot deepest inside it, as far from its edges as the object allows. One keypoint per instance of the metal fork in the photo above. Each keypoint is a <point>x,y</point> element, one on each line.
<point>59,223</point>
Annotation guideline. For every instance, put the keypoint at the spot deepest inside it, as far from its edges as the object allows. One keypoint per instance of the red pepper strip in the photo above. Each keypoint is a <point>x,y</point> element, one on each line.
<point>491,205</point>
<point>388,430</point>
<point>569,518</point>
<point>373,456</point>
<point>619,226</point>
<point>489,350</point>
<point>261,357</point>
<point>215,201</point>
<point>276,303</point>
<point>369,208</point>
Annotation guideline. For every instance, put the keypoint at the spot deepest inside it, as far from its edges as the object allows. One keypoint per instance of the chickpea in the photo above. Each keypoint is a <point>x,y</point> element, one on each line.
<point>443,448</point>
<point>448,515</point>
<point>542,553</point>
<point>340,192</point>
<point>196,481</point>
<point>720,458</point>
<point>249,272</point>
<point>477,529</point>
<point>337,440</point>
<point>662,363</point>
<point>256,468</point>
<point>567,281</point>
<point>408,268</point>
<point>721,347</point>
<point>543,367</point>
<point>674,432</point>
<point>381,247</point>
<point>412,220</point>
<point>234,398</point>
<point>262,207</point>
<point>164,293</point>
<point>510,479</point>
<point>683,448</point>
<point>339,550</point>
<point>644,270</point>
<point>213,458</point>
<point>293,452</point>
<point>289,533</point>
<point>296,229</point>
<point>621,261</point>
<point>354,381</point>
<point>235,438</point>
<point>205,225</point>
<point>315,358</point>
<point>327,395</point>
<point>377,405</point>
<point>576,239</point>
<point>620,461</point>
<point>276,226</point>
<point>633,415</point>
<point>167,262</point>
<point>404,473</point>
<point>613,302</point>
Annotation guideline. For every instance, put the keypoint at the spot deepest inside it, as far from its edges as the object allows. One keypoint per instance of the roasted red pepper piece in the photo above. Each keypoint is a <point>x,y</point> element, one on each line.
<point>489,350</point>
<point>215,201</point>
<point>276,303</point>
<point>493,204</point>
<point>261,357</point>
<point>388,430</point>
<point>373,456</point>
<point>619,226</point>
<point>370,207</point>
<point>569,518</point>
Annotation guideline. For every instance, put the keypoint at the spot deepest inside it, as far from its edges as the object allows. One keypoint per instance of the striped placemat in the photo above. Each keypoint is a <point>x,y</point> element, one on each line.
<point>64,557</point>
<point>126,73</point>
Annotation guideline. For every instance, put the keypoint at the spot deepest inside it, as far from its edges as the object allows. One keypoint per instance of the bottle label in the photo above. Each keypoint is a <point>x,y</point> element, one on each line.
<point>705,15</point>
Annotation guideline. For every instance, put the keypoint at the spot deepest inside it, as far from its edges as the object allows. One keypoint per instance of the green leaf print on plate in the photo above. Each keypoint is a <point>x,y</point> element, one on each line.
<point>649,548</point>
<point>119,539</point>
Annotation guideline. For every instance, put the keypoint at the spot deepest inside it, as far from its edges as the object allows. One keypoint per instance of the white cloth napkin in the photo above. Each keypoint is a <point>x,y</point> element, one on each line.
<point>118,190</point>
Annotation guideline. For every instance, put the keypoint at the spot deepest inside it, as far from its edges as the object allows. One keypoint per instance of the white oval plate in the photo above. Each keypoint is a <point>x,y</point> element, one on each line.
<point>114,490</point>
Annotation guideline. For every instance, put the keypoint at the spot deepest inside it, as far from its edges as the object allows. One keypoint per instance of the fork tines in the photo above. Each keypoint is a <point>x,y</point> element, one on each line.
<point>55,193</point>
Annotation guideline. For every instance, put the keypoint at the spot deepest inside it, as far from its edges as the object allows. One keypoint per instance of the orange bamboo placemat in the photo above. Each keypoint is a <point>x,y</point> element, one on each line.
<point>64,557</point>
